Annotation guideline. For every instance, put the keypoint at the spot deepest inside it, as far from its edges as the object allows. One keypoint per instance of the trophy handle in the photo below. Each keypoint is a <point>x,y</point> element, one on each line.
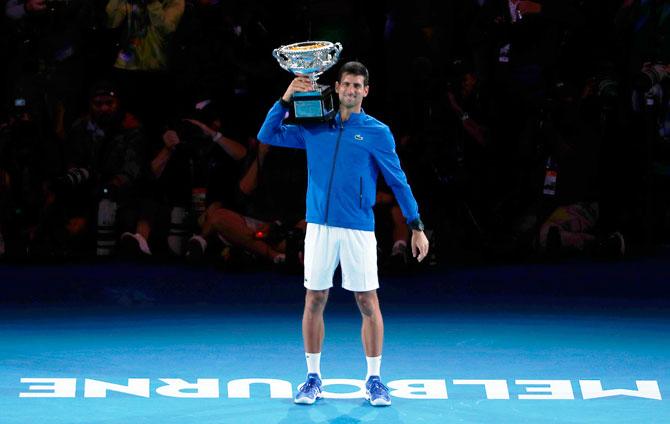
<point>335,51</point>
<point>276,53</point>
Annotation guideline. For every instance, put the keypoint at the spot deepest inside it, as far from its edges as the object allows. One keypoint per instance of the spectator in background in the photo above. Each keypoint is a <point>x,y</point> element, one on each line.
<point>46,56</point>
<point>103,155</point>
<point>269,220</point>
<point>570,138</point>
<point>516,47</point>
<point>644,30</point>
<point>193,173</point>
<point>142,60</point>
<point>27,162</point>
<point>149,25</point>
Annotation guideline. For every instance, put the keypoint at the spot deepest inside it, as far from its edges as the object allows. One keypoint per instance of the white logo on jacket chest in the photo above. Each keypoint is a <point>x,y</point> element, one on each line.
<point>358,137</point>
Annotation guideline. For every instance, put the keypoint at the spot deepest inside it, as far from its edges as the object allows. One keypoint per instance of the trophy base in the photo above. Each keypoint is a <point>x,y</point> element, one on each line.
<point>312,106</point>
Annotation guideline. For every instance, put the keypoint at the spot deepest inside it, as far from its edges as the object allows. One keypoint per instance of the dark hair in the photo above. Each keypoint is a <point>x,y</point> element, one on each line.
<point>354,68</point>
<point>103,88</point>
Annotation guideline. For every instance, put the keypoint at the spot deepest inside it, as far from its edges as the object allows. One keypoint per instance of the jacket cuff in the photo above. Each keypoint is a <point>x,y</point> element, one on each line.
<point>416,225</point>
<point>284,103</point>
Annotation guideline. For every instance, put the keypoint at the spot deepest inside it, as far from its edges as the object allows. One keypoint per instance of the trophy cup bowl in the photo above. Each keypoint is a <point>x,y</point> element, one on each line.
<point>311,59</point>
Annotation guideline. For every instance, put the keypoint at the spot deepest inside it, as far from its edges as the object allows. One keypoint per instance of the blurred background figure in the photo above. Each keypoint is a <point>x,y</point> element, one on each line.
<point>192,172</point>
<point>142,59</point>
<point>96,196</point>
<point>526,125</point>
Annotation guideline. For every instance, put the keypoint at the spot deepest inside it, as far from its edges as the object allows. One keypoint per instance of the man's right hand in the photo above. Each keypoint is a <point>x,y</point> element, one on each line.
<point>298,84</point>
<point>170,139</point>
<point>35,5</point>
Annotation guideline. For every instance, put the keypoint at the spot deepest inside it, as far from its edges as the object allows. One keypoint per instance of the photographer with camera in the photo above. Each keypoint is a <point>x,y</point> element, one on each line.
<point>571,141</point>
<point>103,159</point>
<point>644,31</point>
<point>192,172</point>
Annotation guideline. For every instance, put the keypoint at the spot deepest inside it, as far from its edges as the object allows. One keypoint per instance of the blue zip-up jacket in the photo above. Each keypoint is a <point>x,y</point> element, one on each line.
<point>343,161</point>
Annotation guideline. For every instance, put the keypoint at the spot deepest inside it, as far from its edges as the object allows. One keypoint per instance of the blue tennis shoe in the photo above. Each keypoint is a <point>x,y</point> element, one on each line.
<point>376,392</point>
<point>309,391</point>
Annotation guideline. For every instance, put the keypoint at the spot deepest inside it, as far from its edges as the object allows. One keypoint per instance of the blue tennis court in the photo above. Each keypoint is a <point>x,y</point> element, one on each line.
<point>503,355</point>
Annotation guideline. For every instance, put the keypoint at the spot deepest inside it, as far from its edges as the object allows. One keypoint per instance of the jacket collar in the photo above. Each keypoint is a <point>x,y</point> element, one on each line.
<point>354,118</point>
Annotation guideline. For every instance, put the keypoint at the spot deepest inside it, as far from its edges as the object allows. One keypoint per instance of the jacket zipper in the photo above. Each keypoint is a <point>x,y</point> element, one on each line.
<point>332,172</point>
<point>360,196</point>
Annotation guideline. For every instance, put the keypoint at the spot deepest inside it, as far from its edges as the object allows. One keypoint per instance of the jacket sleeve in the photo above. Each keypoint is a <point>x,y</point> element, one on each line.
<point>273,132</point>
<point>165,18</point>
<point>116,11</point>
<point>389,164</point>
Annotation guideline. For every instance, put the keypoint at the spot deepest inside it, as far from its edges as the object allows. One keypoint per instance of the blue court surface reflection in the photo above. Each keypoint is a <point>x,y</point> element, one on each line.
<point>541,354</point>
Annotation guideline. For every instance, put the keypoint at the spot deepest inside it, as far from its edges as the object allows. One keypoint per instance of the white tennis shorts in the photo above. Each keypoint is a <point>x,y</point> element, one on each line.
<point>354,250</point>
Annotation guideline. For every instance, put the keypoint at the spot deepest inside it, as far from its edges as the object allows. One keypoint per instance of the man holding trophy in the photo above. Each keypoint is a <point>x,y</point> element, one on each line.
<point>346,150</point>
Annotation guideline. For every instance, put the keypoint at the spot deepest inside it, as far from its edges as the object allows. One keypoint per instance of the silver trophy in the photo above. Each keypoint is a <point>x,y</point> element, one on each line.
<point>311,59</point>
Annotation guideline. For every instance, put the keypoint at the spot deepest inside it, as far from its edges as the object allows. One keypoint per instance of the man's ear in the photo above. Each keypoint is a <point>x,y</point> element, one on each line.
<point>337,87</point>
<point>366,91</point>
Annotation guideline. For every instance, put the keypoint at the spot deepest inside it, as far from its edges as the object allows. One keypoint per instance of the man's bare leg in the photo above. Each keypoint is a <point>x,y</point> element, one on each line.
<point>234,228</point>
<point>313,327</point>
<point>372,333</point>
<point>372,330</point>
<point>313,331</point>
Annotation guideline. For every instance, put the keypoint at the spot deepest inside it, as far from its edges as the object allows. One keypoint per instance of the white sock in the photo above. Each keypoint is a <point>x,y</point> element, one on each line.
<point>144,246</point>
<point>201,240</point>
<point>280,259</point>
<point>313,363</point>
<point>374,366</point>
<point>177,233</point>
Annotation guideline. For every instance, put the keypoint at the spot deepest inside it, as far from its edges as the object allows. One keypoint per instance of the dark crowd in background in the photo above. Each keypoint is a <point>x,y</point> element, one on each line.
<point>527,129</point>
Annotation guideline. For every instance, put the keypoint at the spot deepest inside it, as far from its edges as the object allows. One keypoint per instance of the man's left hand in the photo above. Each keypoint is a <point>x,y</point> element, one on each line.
<point>419,245</point>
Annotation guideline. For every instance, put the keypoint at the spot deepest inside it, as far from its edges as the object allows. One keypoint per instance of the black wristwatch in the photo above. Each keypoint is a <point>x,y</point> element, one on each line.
<point>416,225</point>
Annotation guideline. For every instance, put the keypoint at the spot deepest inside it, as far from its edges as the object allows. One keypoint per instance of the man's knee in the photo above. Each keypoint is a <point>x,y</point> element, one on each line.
<point>315,300</point>
<point>367,302</point>
<point>226,221</point>
<point>218,216</point>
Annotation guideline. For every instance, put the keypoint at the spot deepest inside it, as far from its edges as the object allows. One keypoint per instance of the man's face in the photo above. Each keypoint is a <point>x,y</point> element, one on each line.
<point>351,90</point>
<point>104,108</point>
